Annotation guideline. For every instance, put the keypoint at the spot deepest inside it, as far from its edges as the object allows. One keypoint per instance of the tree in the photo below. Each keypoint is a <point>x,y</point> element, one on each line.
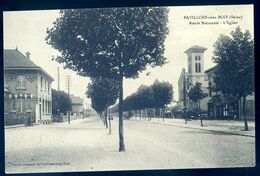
<point>196,94</point>
<point>162,93</point>
<point>145,97</point>
<point>103,93</point>
<point>234,56</point>
<point>60,102</point>
<point>110,43</point>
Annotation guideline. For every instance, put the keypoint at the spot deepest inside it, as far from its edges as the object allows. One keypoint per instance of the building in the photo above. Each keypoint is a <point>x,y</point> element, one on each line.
<point>195,73</point>
<point>28,96</point>
<point>181,85</point>
<point>224,106</point>
<point>77,107</point>
<point>196,66</point>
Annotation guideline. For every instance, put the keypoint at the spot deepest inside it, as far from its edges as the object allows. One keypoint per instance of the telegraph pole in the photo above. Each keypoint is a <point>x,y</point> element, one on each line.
<point>59,95</point>
<point>185,97</point>
<point>69,84</point>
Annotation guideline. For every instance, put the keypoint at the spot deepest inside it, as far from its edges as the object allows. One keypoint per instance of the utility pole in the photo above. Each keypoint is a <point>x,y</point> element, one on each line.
<point>83,104</point>
<point>184,96</point>
<point>68,86</point>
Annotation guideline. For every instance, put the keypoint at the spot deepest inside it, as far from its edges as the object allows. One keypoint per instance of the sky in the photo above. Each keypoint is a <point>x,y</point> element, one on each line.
<point>26,30</point>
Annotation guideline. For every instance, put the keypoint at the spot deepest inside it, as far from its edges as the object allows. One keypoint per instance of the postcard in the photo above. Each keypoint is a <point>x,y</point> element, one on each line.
<point>129,88</point>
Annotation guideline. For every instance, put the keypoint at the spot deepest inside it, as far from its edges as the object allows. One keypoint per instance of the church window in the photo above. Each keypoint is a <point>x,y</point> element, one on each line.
<point>197,64</point>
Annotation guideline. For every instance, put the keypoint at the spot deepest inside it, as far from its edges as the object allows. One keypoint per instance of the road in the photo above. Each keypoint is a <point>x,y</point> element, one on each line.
<point>85,145</point>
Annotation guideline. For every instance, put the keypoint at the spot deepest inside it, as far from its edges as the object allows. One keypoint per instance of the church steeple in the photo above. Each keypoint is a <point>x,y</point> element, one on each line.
<point>196,63</point>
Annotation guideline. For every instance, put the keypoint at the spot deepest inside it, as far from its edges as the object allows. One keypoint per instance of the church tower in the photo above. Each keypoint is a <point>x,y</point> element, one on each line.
<point>196,66</point>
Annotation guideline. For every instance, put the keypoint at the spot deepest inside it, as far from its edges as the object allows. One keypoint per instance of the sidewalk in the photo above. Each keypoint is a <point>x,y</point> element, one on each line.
<point>220,126</point>
<point>19,125</point>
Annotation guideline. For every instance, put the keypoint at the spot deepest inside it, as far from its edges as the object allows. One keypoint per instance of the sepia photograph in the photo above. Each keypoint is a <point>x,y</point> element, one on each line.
<point>129,88</point>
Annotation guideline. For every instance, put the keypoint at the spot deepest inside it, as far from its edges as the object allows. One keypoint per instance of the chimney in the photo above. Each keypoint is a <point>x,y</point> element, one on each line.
<point>28,54</point>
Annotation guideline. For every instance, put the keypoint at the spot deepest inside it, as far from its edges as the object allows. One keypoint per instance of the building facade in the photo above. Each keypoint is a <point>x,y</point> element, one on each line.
<point>28,90</point>
<point>194,74</point>
<point>77,107</point>
<point>225,106</point>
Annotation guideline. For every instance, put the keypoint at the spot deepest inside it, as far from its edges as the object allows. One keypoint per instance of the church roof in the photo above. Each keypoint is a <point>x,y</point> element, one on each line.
<point>211,69</point>
<point>196,49</point>
<point>15,60</point>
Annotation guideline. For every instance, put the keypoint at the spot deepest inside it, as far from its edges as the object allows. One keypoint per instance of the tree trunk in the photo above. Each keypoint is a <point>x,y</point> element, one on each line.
<point>201,123</point>
<point>120,118</point>
<point>109,122</point>
<point>244,113</point>
<point>100,116</point>
<point>239,109</point>
<point>106,118</point>
<point>140,114</point>
<point>163,113</point>
<point>185,115</point>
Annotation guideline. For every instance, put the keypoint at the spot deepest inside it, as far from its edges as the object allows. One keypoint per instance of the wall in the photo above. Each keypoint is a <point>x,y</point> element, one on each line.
<point>44,97</point>
<point>20,107</point>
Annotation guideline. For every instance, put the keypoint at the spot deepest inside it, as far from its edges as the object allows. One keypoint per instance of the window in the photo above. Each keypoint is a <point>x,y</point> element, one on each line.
<point>45,83</point>
<point>197,64</point>
<point>41,81</point>
<point>20,105</point>
<point>43,106</point>
<point>21,81</point>
<point>48,86</point>
<point>28,105</point>
<point>14,105</point>
<point>197,58</point>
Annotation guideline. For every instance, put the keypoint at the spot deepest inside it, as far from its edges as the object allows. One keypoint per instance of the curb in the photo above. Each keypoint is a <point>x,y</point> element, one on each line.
<point>19,126</point>
<point>14,126</point>
<point>216,131</point>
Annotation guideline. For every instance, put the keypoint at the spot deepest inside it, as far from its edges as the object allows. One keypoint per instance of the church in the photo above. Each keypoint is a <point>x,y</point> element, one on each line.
<point>195,73</point>
<point>215,104</point>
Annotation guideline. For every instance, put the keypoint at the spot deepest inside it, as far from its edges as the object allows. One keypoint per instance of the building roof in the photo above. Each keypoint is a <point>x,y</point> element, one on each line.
<point>196,49</point>
<point>76,100</point>
<point>211,69</point>
<point>15,60</point>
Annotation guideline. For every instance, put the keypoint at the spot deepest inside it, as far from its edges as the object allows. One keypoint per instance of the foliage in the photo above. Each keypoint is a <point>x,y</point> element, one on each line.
<point>157,95</point>
<point>112,43</point>
<point>196,93</point>
<point>163,93</point>
<point>60,101</point>
<point>234,56</point>
<point>103,93</point>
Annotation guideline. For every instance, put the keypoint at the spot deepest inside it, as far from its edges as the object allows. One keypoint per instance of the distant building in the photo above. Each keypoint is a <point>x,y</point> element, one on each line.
<point>77,106</point>
<point>28,96</point>
<point>223,106</point>
<point>181,88</point>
